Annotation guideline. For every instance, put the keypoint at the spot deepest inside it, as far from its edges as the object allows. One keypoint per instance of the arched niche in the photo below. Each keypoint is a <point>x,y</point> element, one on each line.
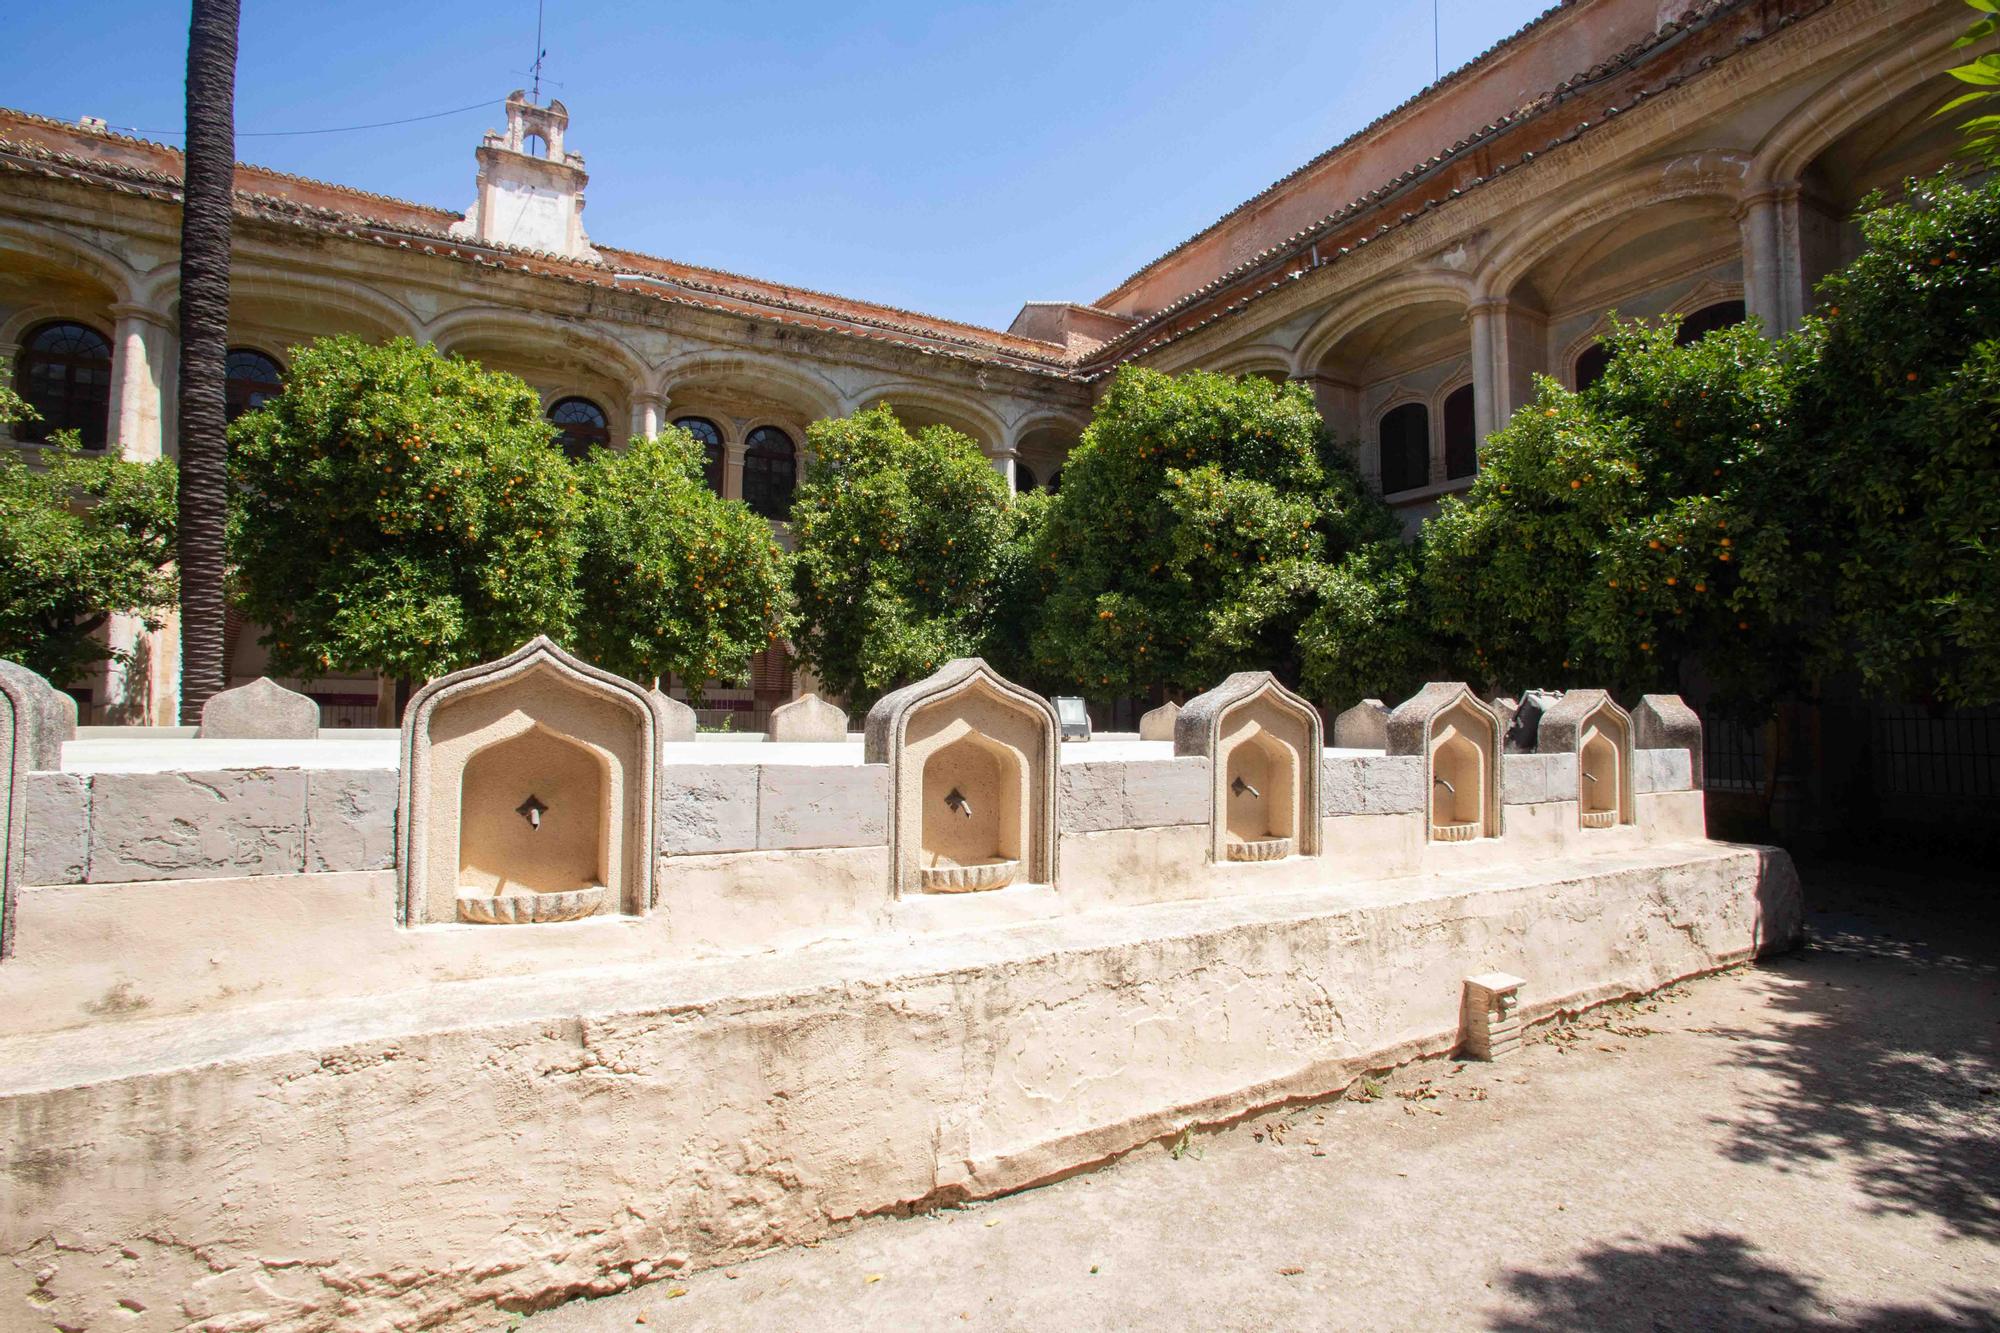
<point>1263,744</point>
<point>1459,737</point>
<point>971,761</point>
<point>1591,725</point>
<point>527,793</point>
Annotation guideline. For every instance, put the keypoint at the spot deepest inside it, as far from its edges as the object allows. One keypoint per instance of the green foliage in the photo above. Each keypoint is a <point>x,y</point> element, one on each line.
<point>81,536</point>
<point>1900,460</point>
<point>899,541</point>
<point>402,512</point>
<point>1370,636</point>
<point>675,579</point>
<point>1614,533</point>
<point>1196,520</point>
<point>1982,132</point>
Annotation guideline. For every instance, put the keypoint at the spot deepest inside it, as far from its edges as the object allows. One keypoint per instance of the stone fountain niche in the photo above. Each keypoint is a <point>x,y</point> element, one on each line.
<point>1459,737</point>
<point>971,761</point>
<point>1591,725</point>
<point>527,794</point>
<point>1263,744</point>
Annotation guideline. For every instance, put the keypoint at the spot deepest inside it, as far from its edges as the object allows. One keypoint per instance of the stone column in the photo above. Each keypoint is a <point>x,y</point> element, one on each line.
<point>732,470</point>
<point>1003,462</point>
<point>1507,353</point>
<point>648,410</point>
<point>1789,242</point>
<point>145,689</point>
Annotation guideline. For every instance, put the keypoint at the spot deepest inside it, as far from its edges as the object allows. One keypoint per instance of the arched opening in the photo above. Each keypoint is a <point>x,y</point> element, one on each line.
<point>1461,796</point>
<point>250,380</point>
<point>1707,320</point>
<point>1461,435</point>
<point>534,145</point>
<point>770,472</point>
<point>1599,780</point>
<point>1259,791</point>
<point>1024,478</point>
<point>64,373</point>
<point>711,448</point>
<point>533,824</point>
<point>971,836</point>
<point>1591,364</point>
<point>1055,481</point>
<point>582,426</point>
<point>1405,437</point>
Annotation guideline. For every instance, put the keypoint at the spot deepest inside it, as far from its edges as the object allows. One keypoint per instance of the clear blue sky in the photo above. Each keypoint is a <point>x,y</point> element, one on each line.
<point>952,158</point>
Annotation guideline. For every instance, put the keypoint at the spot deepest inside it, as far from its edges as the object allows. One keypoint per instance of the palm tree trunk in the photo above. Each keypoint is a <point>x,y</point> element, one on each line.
<point>207,206</point>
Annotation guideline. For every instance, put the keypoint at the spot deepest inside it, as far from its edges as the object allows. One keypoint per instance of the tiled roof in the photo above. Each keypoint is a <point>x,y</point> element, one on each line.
<point>403,223</point>
<point>1163,327</point>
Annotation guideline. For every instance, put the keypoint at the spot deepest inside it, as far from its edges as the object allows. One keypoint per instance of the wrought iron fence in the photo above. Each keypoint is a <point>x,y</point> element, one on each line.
<point>1952,754</point>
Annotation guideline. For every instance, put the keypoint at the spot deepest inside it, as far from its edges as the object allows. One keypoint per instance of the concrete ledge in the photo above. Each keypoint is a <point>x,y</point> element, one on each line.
<point>58,828</point>
<point>1092,796</point>
<point>818,805</point>
<point>434,1155</point>
<point>1371,784</point>
<point>1529,779</point>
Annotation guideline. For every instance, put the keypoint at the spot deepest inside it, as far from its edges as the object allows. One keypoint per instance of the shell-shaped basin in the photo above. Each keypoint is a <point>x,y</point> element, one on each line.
<point>1600,818</point>
<point>969,879</point>
<point>1454,832</point>
<point>1260,849</point>
<point>519,909</point>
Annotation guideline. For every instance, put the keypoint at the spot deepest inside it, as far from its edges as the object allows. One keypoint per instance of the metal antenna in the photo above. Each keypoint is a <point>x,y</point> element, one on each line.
<point>1437,63</point>
<point>540,54</point>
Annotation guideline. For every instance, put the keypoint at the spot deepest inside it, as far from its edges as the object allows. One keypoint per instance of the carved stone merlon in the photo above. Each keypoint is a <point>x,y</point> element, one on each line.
<point>262,710</point>
<point>16,717</point>
<point>530,777</point>
<point>1263,744</point>
<point>1665,722</point>
<point>808,718</point>
<point>972,780</point>
<point>1459,737</point>
<point>1363,727</point>
<point>49,718</point>
<point>1158,725</point>
<point>1491,1016</point>
<point>676,720</point>
<point>1590,725</point>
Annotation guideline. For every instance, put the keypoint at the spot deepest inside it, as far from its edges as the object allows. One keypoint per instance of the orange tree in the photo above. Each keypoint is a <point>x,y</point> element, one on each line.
<point>1613,534</point>
<point>1197,516</point>
<point>399,511</point>
<point>673,577</point>
<point>899,541</point>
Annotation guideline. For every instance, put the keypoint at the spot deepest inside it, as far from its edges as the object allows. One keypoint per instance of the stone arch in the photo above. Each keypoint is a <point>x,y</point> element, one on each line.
<point>1702,295</point>
<point>972,762</point>
<point>1042,444</point>
<point>1458,735</point>
<point>1263,744</point>
<point>1590,725</point>
<point>1375,303</point>
<point>563,342</point>
<point>1708,182</point>
<point>297,307</point>
<point>582,747</point>
<point>919,405</point>
<point>1859,93</point>
<point>757,380</point>
<point>65,252</point>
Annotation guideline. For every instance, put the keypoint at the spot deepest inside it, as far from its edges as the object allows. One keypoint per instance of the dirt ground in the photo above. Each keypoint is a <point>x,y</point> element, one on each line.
<point>1812,1143</point>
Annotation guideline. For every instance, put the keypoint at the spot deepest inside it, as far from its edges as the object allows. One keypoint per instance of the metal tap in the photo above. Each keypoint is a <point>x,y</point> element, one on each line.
<point>956,800</point>
<point>1240,786</point>
<point>532,810</point>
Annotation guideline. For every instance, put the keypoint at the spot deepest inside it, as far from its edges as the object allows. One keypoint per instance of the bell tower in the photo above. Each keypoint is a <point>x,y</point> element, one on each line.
<point>530,184</point>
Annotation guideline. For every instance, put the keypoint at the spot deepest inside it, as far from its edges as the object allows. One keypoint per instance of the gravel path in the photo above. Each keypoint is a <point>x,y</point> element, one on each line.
<point>1812,1143</point>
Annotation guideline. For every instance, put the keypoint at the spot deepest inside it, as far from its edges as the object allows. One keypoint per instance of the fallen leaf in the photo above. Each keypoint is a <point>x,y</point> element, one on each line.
<point>675,1293</point>
<point>874,1277</point>
<point>1289,1271</point>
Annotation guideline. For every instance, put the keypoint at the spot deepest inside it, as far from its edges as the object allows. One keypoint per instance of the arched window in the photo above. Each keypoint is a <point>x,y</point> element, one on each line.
<point>1707,320</point>
<point>583,426</point>
<point>1055,481</point>
<point>534,145</point>
<point>65,374</point>
<point>1406,448</point>
<point>770,471</point>
<point>711,448</point>
<point>1024,478</point>
<point>1590,365</point>
<point>1461,436</point>
<point>251,380</point>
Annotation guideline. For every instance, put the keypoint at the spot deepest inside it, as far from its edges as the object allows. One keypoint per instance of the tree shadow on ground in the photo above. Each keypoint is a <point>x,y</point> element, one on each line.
<point>1886,1060</point>
<point>1709,1281</point>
